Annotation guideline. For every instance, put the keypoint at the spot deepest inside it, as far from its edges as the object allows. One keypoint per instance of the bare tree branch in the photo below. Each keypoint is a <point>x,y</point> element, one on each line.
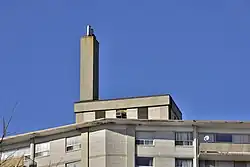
<point>5,126</point>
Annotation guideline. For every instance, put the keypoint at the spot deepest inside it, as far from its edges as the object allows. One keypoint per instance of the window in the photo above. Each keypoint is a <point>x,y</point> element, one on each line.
<point>73,164</point>
<point>42,149</point>
<point>240,164</point>
<point>219,137</point>
<point>73,143</point>
<point>227,138</point>
<point>144,142</point>
<point>183,138</point>
<point>121,114</point>
<point>224,138</point>
<point>241,139</point>
<point>145,138</point>
<point>99,114</point>
<point>144,161</point>
<point>206,163</point>
<point>143,113</point>
<point>16,153</point>
<point>183,163</point>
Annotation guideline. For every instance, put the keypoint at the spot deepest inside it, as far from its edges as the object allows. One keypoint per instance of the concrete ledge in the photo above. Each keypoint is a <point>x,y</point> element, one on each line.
<point>85,106</point>
<point>114,121</point>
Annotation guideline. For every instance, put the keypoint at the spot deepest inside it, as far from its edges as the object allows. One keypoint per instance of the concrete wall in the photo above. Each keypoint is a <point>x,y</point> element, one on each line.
<point>58,155</point>
<point>97,148</point>
<point>132,113</point>
<point>110,114</point>
<point>112,147</point>
<point>224,147</point>
<point>88,116</point>
<point>122,103</point>
<point>158,108</point>
<point>116,148</point>
<point>79,117</point>
<point>164,146</point>
<point>161,112</point>
<point>89,65</point>
<point>164,161</point>
<point>85,149</point>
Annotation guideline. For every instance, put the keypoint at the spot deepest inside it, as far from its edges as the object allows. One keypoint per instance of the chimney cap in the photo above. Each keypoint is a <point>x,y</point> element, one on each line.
<point>90,30</point>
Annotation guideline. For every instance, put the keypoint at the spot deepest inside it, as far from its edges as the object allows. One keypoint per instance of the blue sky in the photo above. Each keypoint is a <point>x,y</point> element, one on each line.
<point>198,51</point>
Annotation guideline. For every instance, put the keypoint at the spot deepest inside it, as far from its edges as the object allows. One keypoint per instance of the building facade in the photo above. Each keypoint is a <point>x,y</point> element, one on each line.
<point>128,132</point>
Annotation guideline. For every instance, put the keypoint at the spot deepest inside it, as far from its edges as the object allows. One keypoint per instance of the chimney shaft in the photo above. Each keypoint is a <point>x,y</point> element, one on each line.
<point>89,66</point>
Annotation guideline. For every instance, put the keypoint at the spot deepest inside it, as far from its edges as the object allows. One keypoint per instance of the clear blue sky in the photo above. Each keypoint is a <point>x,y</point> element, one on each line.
<point>198,51</point>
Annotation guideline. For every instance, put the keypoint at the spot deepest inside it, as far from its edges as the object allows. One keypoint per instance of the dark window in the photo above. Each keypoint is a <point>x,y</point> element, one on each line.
<point>183,138</point>
<point>207,163</point>
<point>99,114</point>
<point>121,114</point>
<point>240,164</point>
<point>183,162</point>
<point>144,161</point>
<point>143,113</point>
<point>224,138</point>
<point>144,141</point>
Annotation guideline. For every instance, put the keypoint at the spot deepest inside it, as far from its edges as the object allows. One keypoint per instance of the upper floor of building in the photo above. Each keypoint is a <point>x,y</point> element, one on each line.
<point>161,107</point>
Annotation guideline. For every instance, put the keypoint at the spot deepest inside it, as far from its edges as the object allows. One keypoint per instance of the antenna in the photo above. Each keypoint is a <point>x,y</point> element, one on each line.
<point>90,30</point>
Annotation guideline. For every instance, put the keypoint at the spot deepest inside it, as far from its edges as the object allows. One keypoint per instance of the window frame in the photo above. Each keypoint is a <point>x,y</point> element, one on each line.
<point>122,112</point>
<point>182,142</point>
<point>145,142</point>
<point>242,139</point>
<point>223,135</point>
<point>141,140</point>
<point>73,162</point>
<point>16,153</point>
<point>150,159</point>
<point>101,114</point>
<point>240,163</point>
<point>74,146</point>
<point>230,140</point>
<point>182,159</point>
<point>45,151</point>
<point>142,110</point>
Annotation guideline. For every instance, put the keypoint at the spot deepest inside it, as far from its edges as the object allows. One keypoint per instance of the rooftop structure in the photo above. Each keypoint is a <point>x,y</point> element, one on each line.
<point>128,132</point>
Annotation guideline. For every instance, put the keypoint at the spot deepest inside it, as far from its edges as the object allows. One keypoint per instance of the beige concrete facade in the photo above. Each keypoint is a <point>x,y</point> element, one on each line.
<point>89,68</point>
<point>112,143</point>
<point>158,107</point>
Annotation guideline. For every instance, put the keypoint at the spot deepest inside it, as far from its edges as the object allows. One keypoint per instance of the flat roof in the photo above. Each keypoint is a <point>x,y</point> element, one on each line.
<point>124,98</point>
<point>71,127</point>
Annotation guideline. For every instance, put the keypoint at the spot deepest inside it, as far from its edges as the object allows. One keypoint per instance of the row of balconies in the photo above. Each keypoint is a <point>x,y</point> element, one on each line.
<point>224,151</point>
<point>206,151</point>
<point>224,147</point>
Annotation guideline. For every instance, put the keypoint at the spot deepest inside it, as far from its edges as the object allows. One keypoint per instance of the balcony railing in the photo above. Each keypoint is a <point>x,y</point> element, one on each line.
<point>224,148</point>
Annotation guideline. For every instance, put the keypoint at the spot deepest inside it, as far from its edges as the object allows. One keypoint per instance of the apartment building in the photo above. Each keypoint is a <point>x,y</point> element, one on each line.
<point>128,132</point>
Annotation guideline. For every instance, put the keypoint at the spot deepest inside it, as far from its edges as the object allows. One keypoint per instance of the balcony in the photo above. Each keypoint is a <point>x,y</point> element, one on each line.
<point>224,151</point>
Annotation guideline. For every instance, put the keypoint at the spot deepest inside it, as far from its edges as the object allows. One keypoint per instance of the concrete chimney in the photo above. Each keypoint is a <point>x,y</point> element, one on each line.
<point>89,66</point>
